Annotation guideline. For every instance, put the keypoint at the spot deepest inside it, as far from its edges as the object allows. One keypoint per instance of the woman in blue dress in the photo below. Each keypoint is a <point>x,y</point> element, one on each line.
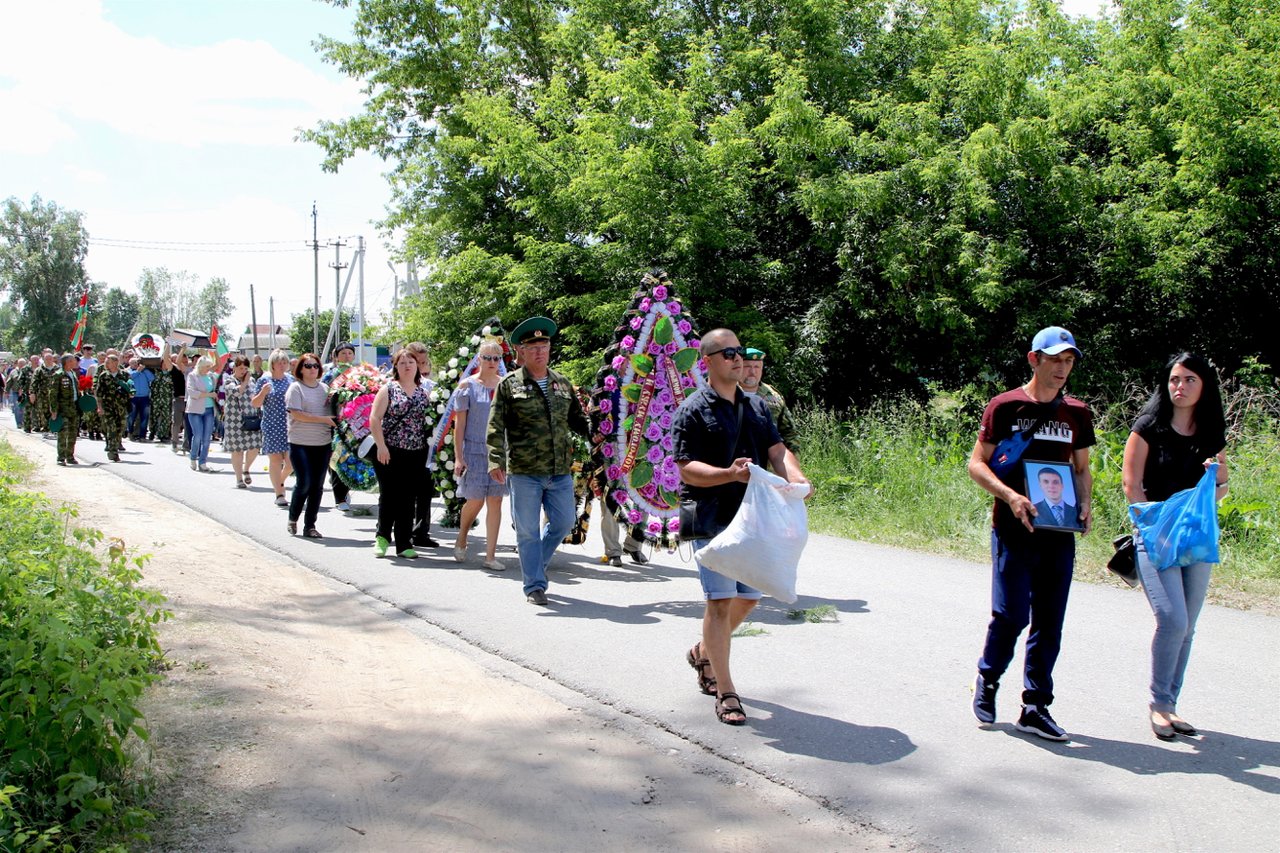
<point>269,395</point>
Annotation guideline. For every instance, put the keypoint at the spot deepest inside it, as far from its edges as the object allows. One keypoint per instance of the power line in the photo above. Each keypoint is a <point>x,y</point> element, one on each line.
<point>193,242</point>
<point>155,247</point>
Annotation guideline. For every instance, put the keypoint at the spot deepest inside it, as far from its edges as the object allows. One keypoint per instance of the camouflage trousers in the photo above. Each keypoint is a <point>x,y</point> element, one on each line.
<point>67,437</point>
<point>113,426</point>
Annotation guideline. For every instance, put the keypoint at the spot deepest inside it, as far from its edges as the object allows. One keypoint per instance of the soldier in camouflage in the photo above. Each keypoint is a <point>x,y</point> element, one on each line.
<point>752,383</point>
<point>19,380</point>
<point>41,392</point>
<point>111,387</point>
<point>64,395</point>
<point>161,406</point>
<point>534,409</point>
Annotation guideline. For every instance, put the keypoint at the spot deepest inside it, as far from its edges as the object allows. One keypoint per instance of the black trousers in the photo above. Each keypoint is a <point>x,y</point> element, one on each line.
<point>309,464</point>
<point>399,483</point>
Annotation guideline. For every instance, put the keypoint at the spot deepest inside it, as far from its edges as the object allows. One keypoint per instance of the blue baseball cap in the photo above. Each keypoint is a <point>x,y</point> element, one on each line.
<point>1053,340</point>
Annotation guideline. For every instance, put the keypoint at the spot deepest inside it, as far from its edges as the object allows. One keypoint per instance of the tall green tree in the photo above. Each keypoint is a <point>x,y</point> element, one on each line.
<point>880,193</point>
<point>212,303</point>
<point>42,252</point>
<point>300,331</point>
<point>119,316</point>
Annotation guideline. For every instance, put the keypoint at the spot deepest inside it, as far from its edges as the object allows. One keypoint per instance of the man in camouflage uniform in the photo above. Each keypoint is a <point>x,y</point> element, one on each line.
<point>161,406</point>
<point>752,383</point>
<point>41,392</point>
<point>63,395</point>
<point>112,390</point>
<point>534,408</point>
<point>18,381</point>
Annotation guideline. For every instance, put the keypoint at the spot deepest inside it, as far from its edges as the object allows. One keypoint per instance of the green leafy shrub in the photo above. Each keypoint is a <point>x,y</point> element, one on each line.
<point>77,643</point>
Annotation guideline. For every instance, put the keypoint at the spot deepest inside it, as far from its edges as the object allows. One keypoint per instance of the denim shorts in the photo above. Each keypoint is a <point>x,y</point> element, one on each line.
<point>717,586</point>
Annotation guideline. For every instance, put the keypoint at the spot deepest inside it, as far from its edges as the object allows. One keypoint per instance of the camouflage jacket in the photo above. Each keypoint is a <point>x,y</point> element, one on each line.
<point>20,381</point>
<point>42,382</point>
<point>64,391</point>
<point>781,415</point>
<point>112,391</point>
<point>529,434</point>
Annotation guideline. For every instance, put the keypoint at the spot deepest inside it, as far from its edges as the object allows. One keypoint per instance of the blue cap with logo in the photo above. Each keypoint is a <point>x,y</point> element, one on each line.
<point>1053,340</point>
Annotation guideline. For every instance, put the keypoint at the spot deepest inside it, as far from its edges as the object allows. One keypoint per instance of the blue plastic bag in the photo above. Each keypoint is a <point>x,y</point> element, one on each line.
<point>1183,529</point>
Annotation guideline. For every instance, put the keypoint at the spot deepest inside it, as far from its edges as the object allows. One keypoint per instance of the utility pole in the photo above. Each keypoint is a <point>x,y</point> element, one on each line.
<point>253,320</point>
<point>271,315</point>
<point>360,319</point>
<point>395,289</point>
<point>338,267</point>
<point>315,310</point>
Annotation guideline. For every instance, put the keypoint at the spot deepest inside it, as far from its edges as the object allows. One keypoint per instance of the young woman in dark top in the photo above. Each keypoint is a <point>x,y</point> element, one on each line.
<point>1178,434</point>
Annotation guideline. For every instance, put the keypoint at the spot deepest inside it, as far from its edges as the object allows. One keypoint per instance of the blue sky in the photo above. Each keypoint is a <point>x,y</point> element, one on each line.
<point>170,123</point>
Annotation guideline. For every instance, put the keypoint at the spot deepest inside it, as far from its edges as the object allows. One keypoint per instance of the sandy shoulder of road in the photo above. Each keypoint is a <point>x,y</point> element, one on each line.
<point>297,714</point>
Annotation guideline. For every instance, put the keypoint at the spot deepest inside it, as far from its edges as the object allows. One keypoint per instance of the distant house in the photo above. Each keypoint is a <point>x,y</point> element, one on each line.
<point>269,338</point>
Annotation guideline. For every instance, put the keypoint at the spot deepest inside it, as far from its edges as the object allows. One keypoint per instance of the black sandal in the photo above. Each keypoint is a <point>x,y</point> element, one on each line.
<point>312,533</point>
<point>723,710</point>
<point>293,528</point>
<point>702,666</point>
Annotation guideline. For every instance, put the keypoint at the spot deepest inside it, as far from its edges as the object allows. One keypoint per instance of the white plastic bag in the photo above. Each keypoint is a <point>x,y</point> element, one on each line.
<point>761,547</point>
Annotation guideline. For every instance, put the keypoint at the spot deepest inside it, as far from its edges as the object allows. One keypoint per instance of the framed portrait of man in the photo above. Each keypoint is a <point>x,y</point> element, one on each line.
<point>1051,488</point>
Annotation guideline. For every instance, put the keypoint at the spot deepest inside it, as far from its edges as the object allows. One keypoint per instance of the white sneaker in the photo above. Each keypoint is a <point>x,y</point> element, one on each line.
<point>460,553</point>
<point>342,507</point>
<point>194,466</point>
<point>494,565</point>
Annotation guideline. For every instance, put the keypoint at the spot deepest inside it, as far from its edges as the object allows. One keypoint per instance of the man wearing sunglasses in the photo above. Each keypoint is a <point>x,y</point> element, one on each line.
<point>753,383</point>
<point>534,409</point>
<point>718,431</point>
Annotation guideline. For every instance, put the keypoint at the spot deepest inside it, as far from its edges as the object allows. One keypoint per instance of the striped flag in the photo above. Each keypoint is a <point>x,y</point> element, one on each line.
<point>219,345</point>
<point>77,331</point>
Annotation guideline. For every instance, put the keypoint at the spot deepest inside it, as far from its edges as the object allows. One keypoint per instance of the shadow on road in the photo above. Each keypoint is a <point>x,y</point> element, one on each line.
<point>795,732</point>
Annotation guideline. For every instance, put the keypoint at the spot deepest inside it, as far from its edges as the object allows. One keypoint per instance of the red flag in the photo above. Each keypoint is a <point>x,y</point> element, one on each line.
<point>219,345</point>
<point>77,331</point>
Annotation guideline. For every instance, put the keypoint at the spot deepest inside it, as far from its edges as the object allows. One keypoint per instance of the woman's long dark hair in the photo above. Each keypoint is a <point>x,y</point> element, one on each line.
<point>1210,417</point>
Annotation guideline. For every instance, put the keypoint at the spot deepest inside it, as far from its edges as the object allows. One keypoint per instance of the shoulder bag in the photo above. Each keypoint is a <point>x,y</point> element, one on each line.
<point>1007,453</point>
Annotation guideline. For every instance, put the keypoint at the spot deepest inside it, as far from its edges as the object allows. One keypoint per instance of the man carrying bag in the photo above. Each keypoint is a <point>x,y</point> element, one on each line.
<point>718,433</point>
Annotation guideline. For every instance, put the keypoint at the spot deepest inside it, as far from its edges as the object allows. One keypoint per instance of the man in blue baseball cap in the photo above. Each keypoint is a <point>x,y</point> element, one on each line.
<point>1031,566</point>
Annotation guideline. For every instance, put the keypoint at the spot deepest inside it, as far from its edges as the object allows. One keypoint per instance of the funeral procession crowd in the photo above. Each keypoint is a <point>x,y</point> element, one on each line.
<point>505,425</point>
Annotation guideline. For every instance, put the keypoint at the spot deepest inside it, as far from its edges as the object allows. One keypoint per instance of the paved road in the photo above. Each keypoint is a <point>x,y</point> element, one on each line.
<point>870,714</point>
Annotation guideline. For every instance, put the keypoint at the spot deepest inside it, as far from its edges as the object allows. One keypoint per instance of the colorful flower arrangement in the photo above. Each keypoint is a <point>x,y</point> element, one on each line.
<point>351,397</point>
<point>440,455</point>
<point>653,364</point>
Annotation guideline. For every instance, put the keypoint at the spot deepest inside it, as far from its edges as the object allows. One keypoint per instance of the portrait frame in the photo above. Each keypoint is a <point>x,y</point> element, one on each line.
<point>1035,492</point>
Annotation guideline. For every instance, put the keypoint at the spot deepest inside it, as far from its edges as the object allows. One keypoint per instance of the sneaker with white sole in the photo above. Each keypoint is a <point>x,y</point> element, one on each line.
<point>342,506</point>
<point>1035,720</point>
<point>984,700</point>
<point>194,465</point>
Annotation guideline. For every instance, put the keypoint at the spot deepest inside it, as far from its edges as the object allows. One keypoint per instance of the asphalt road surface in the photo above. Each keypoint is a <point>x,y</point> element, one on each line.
<point>868,715</point>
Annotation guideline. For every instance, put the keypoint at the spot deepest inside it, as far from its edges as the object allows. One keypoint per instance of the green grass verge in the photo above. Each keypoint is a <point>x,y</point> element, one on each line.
<point>895,474</point>
<point>77,647</point>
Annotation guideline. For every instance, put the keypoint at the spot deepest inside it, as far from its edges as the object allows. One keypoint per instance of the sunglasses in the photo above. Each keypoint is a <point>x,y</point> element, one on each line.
<point>310,364</point>
<point>491,358</point>
<point>729,353</point>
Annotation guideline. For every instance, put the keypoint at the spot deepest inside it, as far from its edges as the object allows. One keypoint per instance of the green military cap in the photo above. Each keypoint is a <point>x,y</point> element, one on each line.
<point>534,329</point>
<point>753,354</point>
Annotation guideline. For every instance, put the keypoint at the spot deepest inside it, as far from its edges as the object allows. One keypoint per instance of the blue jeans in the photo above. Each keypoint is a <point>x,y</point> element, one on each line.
<point>1030,580</point>
<point>1176,596</point>
<point>201,434</point>
<point>139,414</point>
<point>17,409</point>
<point>530,496</point>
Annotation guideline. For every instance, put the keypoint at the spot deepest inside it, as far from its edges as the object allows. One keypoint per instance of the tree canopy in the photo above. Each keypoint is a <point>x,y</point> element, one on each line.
<point>880,194</point>
<point>42,252</point>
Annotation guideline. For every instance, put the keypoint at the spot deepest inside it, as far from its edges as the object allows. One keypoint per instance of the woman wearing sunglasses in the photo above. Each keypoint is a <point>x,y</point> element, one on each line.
<point>310,434</point>
<point>472,402</point>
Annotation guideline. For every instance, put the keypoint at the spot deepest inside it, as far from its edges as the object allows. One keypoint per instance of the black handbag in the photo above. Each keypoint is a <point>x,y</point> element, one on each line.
<point>1124,562</point>
<point>251,422</point>
<point>690,529</point>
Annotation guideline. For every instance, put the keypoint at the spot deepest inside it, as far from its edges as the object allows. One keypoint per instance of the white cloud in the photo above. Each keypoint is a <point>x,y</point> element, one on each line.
<point>68,64</point>
<point>30,127</point>
<point>81,175</point>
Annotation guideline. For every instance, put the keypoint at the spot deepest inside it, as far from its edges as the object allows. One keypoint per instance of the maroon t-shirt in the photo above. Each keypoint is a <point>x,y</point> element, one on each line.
<point>1069,429</point>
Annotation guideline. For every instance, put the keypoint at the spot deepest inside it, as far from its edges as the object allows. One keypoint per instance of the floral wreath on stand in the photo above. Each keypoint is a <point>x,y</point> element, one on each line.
<point>351,398</point>
<point>440,454</point>
<point>652,365</point>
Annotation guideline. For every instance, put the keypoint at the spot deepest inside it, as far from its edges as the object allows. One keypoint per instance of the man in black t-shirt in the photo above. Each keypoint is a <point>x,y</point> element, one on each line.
<point>713,450</point>
<point>1031,568</point>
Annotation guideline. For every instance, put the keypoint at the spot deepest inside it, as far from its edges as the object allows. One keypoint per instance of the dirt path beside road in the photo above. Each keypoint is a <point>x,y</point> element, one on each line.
<point>298,714</point>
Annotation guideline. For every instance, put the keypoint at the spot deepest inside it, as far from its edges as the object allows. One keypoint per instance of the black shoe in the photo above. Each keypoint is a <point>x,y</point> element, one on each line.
<point>984,700</point>
<point>637,557</point>
<point>114,457</point>
<point>62,463</point>
<point>537,597</point>
<point>425,542</point>
<point>1035,720</point>
<point>293,528</point>
<point>616,562</point>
